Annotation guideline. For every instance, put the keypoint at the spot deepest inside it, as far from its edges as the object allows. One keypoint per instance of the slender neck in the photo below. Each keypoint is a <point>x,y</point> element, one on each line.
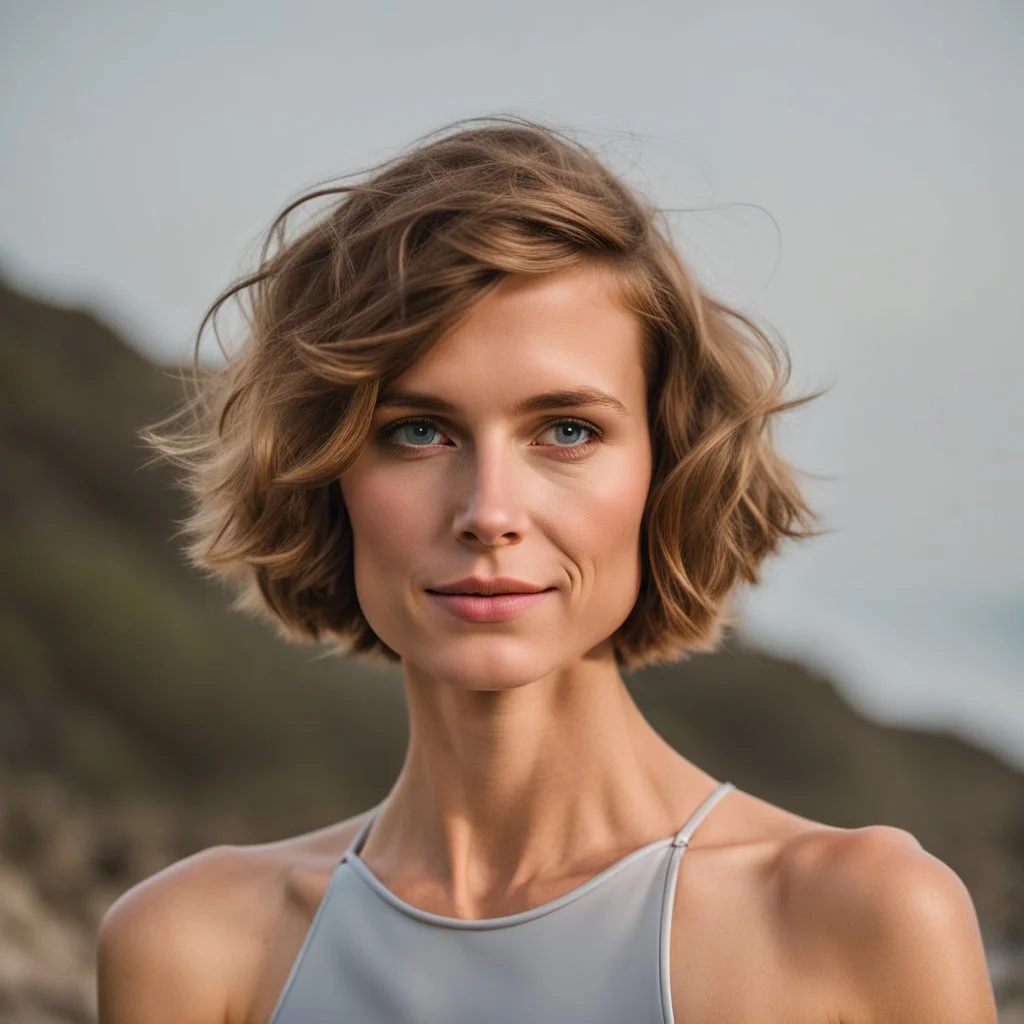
<point>503,786</point>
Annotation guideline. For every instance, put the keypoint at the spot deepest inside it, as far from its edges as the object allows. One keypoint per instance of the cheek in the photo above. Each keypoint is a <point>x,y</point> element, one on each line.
<point>389,516</point>
<point>599,525</point>
<point>616,502</point>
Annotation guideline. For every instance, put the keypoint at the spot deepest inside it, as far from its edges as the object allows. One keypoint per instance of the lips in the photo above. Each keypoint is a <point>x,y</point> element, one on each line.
<point>487,587</point>
<point>499,607</point>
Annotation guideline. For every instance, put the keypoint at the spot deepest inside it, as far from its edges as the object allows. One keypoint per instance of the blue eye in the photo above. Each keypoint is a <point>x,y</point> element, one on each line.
<point>418,428</point>
<point>574,425</point>
<point>420,433</point>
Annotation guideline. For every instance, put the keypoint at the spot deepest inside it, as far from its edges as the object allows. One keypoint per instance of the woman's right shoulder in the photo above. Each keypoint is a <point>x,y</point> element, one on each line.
<point>189,944</point>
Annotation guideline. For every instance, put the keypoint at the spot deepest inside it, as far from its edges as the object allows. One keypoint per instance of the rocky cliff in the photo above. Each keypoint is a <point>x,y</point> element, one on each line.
<point>140,720</point>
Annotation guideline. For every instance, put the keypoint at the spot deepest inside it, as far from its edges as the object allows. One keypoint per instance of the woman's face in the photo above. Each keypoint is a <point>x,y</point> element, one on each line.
<point>480,486</point>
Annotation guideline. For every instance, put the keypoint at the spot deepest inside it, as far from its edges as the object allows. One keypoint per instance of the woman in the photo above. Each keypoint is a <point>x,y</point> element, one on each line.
<point>486,424</point>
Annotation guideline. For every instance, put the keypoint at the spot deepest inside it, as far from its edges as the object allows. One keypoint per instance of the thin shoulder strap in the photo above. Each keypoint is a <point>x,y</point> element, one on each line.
<point>678,848</point>
<point>357,843</point>
<point>685,834</point>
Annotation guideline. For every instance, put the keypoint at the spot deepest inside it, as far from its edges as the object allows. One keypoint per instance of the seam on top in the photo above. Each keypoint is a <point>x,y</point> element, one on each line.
<point>665,933</point>
<point>509,920</point>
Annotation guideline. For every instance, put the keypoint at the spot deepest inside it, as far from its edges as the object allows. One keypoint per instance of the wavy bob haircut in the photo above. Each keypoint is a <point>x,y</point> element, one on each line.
<point>368,286</point>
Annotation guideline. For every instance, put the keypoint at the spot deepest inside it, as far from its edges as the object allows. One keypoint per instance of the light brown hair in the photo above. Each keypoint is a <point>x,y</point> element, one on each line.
<point>364,290</point>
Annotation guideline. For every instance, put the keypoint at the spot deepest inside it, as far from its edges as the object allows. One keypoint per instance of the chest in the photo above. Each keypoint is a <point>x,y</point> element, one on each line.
<point>728,957</point>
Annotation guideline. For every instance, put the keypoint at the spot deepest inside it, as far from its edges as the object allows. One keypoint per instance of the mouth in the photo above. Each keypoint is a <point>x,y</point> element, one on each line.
<point>476,593</point>
<point>483,608</point>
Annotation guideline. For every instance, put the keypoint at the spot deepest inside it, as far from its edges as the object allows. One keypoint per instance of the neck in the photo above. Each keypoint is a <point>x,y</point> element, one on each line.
<point>503,786</point>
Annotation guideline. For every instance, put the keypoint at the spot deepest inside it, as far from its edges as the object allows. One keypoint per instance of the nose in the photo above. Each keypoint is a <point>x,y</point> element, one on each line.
<point>492,512</point>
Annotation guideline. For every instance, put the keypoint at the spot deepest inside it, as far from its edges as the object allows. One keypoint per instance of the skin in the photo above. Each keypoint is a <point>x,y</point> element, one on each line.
<point>529,768</point>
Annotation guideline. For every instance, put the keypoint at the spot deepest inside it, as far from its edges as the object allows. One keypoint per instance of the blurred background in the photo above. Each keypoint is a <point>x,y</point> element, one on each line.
<point>849,175</point>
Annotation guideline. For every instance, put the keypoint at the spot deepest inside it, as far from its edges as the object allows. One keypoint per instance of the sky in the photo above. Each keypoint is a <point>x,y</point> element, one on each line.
<point>849,174</point>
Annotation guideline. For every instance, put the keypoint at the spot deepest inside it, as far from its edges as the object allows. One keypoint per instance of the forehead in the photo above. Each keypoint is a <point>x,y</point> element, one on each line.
<point>560,330</point>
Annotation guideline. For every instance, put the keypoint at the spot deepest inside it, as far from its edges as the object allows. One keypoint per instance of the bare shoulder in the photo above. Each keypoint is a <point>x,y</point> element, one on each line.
<point>895,926</point>
<point>200,941</point>
<point>164,947</point>
<point>818,923</point>
<point>733,954</point>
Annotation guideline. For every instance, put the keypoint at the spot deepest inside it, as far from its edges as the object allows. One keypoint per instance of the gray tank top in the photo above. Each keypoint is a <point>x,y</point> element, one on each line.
<point>598,953</point>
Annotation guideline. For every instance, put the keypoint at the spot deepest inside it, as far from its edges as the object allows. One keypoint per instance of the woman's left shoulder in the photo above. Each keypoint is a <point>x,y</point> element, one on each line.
<point>897,923</point>
<point>877,875</point>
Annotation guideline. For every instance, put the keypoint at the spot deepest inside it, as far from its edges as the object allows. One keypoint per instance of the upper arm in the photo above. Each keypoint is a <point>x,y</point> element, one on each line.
<point>161,951</point>
<point>903,932</point>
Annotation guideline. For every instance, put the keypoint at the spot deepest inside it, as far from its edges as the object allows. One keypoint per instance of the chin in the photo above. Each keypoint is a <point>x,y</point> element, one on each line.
<point>485,663</point>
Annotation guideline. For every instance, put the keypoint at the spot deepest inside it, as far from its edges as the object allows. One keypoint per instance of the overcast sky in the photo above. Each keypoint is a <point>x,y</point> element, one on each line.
<point>858,170</point>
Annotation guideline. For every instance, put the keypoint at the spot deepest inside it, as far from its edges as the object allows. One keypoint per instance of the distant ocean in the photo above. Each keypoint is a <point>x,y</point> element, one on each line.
<point>945,664</point>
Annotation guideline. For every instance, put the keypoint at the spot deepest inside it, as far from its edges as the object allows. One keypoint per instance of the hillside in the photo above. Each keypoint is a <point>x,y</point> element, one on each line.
<point>140,720</point>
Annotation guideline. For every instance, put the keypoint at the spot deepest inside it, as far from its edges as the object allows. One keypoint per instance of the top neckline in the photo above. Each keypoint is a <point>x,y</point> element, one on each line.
<point>679,841</point>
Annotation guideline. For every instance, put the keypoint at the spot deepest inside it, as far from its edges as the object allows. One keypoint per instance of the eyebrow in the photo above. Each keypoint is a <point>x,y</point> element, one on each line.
<point>572,397</point>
